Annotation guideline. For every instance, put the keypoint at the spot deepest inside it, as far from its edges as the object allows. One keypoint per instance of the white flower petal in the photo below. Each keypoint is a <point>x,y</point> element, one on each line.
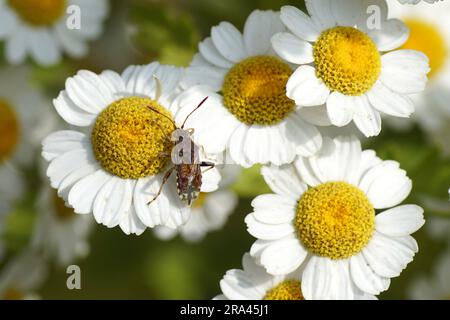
<point>283,256</point>
<point>236,285</point>
<point>305,137</point>
<point>205,75</point>
<point>321,14</point>
<point>259,29</point>
<point>44,48</point>
<point>113,201</point>
<point>69,181</point>
<point>228,41</point>
<point>131,224</point>
<point>236,146</point>
<point>366,118</point>
<point>16,48</point>
<point>325,279</point>
<point>65,164</point>
<point>306,89</point>
<point>404,71</point>
<point>392,34</point>
<point>365,278</point>
<point>386,185</point>
<point>389,102</point>
<point>84,192</point>
<point>212,55</point>
<point>7,22</point>
<point>389,256</point>
<point>284,180</point>
<point>299,23</point>
<point>71,113</point>
<point>318,115</point>
<point>60,142</point>
<point>292,49</point>
<point>400,221</point>
<point>273,202</point>
<point>263,231</point>
<point>340,109</point>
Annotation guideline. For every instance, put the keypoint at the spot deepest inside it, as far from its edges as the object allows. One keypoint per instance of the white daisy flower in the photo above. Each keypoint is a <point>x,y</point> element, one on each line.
<point>254,283</point>
<point>60,233</point>
<point>22,276</point>
<point>436,287</point>
<point>252,118</point>
<point>344,63</point>
<point>322,218</point>
<point>45,29</point>
<point>209,212</point>
<point>430,33</point>
<point>23,123</point>
<point>117,167</point>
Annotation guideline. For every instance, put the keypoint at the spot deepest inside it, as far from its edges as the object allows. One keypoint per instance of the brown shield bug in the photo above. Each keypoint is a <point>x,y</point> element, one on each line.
<point>186,159</point>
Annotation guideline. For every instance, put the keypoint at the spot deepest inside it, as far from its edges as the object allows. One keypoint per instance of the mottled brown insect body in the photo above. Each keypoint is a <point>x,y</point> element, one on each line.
<point>187,163</point>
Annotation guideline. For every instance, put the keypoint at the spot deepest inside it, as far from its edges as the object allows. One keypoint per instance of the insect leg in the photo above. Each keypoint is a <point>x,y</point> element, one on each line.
<point>210,165</point>
<point>166,177</point>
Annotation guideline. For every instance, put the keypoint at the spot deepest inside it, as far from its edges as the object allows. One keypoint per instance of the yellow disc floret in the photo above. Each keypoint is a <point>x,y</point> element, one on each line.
<point>254,90</point>
<point>39,12</point>
<point>9,130</point>
<point>347,60</point>
<point>335,220</point>
<point>200,201</point>
<point>130,140</point>
<point>286,290</point>
<point>427,38</point>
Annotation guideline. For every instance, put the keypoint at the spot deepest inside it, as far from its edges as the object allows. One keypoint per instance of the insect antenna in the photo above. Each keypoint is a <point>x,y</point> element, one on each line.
<point>200,104</point>
<point>158,112</point>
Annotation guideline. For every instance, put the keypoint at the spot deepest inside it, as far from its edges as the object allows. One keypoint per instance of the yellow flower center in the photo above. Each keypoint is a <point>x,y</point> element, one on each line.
<point>427,38</point>
<point>335,220</point>
<point>254,90</point>
<point>13,294</point>
<point>200,201</point>
<point>9,130</point>
<point>39,12</point>
<point>347,60</point>
<point>130,141</point>
<point>286,290</point>
<point>62,211</point>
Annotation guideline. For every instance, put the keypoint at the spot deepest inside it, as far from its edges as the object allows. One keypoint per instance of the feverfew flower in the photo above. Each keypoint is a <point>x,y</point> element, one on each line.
<point>117,167</point>
<point>252,118</point>
<point>348,64</point>
<point>323,218</point>
<point>254,283</point>
<point>430,33</point>
<point>43,29</point>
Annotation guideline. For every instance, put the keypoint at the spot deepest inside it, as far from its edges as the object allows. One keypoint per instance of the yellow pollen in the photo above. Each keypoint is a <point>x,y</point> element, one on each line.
<point>131,141</point>
<point>63,212</point>
<point>335,220</point>
<point>9,130</point>
<point>347,60</point>
<point>200,201</point>
<point>13,294</point>
<point>254,90</point>
<point>286,290</point>
<point>39,12</point>
<point>427,38</point>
